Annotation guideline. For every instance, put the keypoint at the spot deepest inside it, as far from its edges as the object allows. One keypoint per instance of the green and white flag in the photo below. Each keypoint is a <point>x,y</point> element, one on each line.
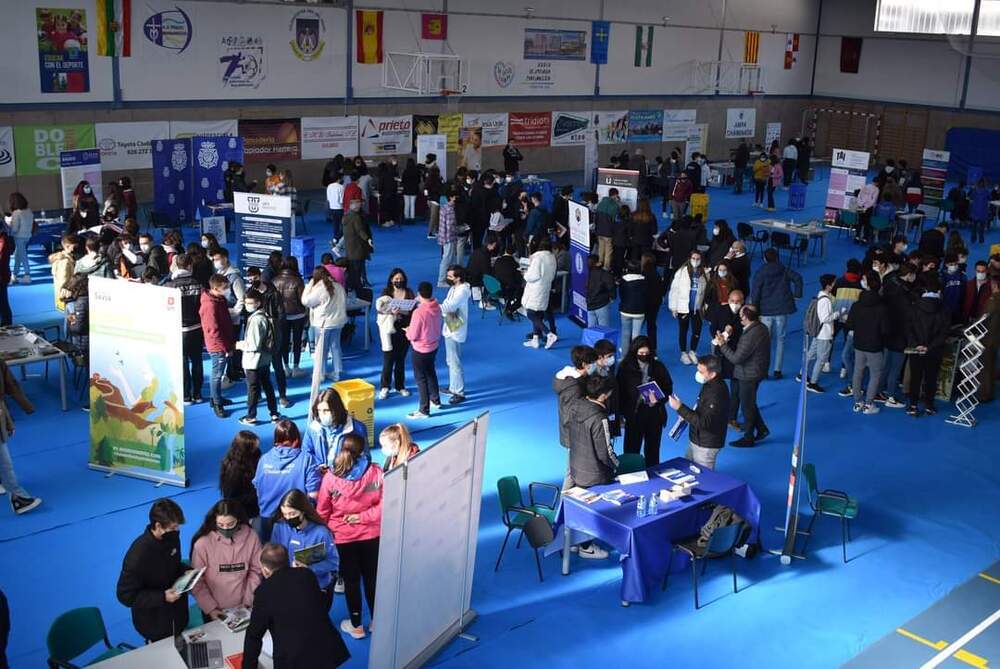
<point>643,47</point>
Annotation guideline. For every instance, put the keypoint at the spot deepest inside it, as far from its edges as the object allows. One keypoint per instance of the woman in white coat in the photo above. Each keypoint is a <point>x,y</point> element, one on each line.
<point>22,225</point>
<point>327,304</point>
<point>537,293</point>
<point>687,294</point>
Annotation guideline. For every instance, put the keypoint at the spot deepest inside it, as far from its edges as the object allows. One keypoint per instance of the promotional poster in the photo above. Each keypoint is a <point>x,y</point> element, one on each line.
<point>62,50</point>
<point>579,253</point>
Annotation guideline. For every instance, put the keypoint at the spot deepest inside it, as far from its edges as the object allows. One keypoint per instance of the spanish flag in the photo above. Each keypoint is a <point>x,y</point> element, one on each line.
<point>751,47</point>
<point>369,36</point>
<point>114,28</point>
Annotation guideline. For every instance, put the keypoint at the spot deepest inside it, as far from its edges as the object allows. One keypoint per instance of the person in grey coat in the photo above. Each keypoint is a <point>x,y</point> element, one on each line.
<point>568,386</point>
<point>592,460</point>
<point>751,359</point>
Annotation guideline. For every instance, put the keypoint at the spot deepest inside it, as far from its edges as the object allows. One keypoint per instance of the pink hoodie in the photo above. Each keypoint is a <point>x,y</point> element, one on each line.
<point>232,569</point>
<point>339,497</point>
<point>338,274</point>
<point>424,330</point>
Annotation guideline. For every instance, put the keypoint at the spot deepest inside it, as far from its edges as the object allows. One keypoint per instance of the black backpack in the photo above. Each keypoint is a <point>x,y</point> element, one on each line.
<point>811,322</point>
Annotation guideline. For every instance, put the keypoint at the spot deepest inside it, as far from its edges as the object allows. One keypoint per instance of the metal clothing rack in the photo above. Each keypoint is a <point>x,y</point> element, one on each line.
<point>970,367</point>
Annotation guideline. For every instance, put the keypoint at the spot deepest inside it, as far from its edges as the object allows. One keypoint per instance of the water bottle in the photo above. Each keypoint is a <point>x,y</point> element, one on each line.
<point>653,503</point>
<point>640,508</point>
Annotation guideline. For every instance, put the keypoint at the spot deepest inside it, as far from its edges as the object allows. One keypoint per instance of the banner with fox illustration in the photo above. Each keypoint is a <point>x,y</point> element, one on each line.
<point>136,381</point>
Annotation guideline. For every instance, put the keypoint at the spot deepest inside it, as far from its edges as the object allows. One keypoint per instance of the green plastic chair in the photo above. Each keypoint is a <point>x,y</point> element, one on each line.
<point>630,462</point>
<point>515,514</point>
<point>848,220</point>
<point>880,224</point>
<point>829,502</point>
<point>77,631</point>
<point>493,294</point>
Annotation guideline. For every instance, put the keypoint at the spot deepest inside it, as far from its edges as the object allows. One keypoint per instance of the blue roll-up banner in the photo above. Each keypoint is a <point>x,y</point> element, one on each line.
<point>172,170</point>
<point>579,254</point>
<point>212,156</point>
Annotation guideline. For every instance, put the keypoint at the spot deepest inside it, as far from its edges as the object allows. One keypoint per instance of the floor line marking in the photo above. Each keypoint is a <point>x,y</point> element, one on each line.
<point>991,579</point>
<point>956,646</point>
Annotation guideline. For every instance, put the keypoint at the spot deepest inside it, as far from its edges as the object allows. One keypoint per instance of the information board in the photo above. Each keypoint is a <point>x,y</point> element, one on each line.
<point>579,254</point>
<point>848,172</point>
<point>626,181</point>
<point>264,223</point>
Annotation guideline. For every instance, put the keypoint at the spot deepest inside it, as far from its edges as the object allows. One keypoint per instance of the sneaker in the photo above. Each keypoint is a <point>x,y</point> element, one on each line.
<point>762,435</point>
<point>24,504</point>
<point>798,378</point>
<point>815,388</point>
<point>24,280</point>
<point>288,370</point>
<point>226,402</point>
<point>843,372</point>
<point>685,360</point>
<point>911,410</point>
<point>743,442</point>
<point>771,209</point>
<point>417,415</point>
<point>338,587</point>
<point>846,392</point>
<point>3,491</point>
<point>532,343</point>
<point>871,409</point>
<point>383,393</point>
<point>275,417</point>
<point>219,411</point>
<point>431,236</point>
<point>456,399</point>
<point>551,339</point>
<point>593,552</point>
<point>445,391</point>
<point>859,406</point>
<point>403,392</point>
<point>930,411</point>
<point>881,398</point>
<point>893,403</point>
<point>826,367</point>
<point>284,402</point>
<point>247,420</point>
<point>197,399</point>
<point>777,375</point>
<point>488,306</point>
<point>227,383</point>
<point>345,625</point>
<point>436,404</point>
<point>693,357</point>
<point>298,373</point>
<point>187,401</point>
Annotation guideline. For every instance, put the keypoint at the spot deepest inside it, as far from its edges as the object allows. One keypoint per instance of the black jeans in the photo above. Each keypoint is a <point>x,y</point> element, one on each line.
<point>256,379</point>
<point>6,316</point>
<point>683,321</point>
<point>754,422</point>
<point>758,191</point>
<point>651,326</point>
<point>538,324</point>
<point>924,376</point>
<point>734,399</point>
<point>359,562</point>
<point>193,342</point>
<point>291,339</point>
<point>788,168</point>
<point>394,361</point>
<point>770,194</point>
<point>644,432</point>
<point>425,374</point>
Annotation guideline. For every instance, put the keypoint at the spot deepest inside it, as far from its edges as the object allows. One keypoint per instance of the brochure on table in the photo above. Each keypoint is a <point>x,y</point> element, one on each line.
<point>265,225</point>
<point>848,173</point>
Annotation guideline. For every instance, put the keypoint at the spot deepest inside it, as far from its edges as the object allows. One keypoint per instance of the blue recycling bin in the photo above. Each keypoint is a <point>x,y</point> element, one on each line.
<point>592,335</point>
<point>797,196</point>
<point>303,249</point>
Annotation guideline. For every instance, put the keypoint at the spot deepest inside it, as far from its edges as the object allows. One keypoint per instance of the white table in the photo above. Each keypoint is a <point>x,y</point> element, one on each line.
<point>357,304</point>
<point>909,219</point>
<point>19,350</point>
<point>163,654</point>
<point>810,231</point>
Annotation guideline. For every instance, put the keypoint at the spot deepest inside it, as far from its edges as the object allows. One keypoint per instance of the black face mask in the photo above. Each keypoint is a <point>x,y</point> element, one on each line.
<point>227,533</point>
<point>172,535</point>
<point>399,284</point>
<point>295,522</point>
<point>644,358</point>
<point>450,282</point>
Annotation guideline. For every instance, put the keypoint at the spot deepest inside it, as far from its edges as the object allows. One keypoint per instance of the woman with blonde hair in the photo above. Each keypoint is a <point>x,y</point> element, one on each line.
<point>397,445</point>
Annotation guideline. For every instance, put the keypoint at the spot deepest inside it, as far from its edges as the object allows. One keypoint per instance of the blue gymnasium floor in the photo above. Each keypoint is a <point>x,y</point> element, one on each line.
<point>928,493</point>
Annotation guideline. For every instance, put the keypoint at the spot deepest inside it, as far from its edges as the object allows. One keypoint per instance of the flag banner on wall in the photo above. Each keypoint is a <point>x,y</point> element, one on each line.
<point>126,146</point>
<point>645,125</point>
<point>270,140</point>
<point>450,125</point>
<point>37,147</point>
<point>579,253</point>
<point>62,50</point>
<point>677,124</point>
<point>385,135</point>
<point>434,26</point>
<point>80,165</point>
<point>114,28</point>
<point>569,128</point>
<point>172,172</point>
<point>612,126</point>
<point>643,46</point>
<point>600,36</point>
<point>136,385</point>
<point>326,136</point>
<point>494,127</point>
<point>212,156</point>
<point>751,47</point>
<point>369,36</point>
<point>184,129</point>
<point>170,29</point>
<point>7,163</point>
<point>791,50</point>
<point>529,128</point>
<point>741,122</point>
<point>543,44</point>
<point>850,54</point>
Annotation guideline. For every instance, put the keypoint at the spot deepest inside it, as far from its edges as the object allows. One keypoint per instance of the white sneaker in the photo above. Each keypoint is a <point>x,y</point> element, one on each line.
<point>871,409</point>
<point>227,383</point>
<point>417,415</point>
<point>551,339</point>
<point>532,343</point>
<point>404,393</point>
<point>595,552</point>
<point>893,403</point>
<point>338,587</point>
<point>859,406</point>
<point>685,360</point>
<point>298,373</point>
<point>826,367</point>
<point>288,370</point>
<point>666,215</point>
<point>843,372</point>
<point>488,306</point>
<point>24,279</point>
<point>383,393</point>
<point>693,357</point>
<point>354,632</point>
<point>3,491</point>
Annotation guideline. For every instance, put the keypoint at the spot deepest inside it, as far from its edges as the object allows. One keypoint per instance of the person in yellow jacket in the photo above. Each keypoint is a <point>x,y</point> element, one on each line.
<point>63,262</point>
<point>761,173</point>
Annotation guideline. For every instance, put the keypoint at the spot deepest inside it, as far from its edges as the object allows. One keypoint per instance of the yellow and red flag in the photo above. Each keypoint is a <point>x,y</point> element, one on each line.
<point>434,26</point>
<point>114,28</point>
<point>751,47</point>
<point>369,36</point>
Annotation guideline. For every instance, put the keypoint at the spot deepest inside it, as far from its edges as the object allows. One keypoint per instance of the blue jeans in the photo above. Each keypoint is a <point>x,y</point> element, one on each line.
<point>847,356</point>
<point>599,317</point>
<point>819,349</point>
<point>776,325</point>
<point>327,346</point>
<point>891,369</point>
<point>453,356</point>
<point>979,231</point>
<point>631,328</point>
<point>215,382</point>
<point>7,476</point>
<point>21,257</point>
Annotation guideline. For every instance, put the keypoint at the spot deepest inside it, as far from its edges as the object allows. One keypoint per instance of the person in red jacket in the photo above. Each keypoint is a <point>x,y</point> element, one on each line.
<point>220,336</point>
<point>978,291</point>
<point>350,502</point>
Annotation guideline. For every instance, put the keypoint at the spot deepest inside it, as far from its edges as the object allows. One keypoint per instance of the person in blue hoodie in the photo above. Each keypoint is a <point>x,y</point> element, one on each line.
<point>537,221</point>
<point>773,291</point>
<point>979,211</point>
<point>298,526</point>
<point>285,467</point>
<point>953,287</point>
<point>329,423</point>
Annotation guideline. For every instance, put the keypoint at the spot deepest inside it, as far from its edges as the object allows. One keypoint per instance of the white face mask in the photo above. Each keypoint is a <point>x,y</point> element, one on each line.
<point>695,262</point>
<point>204,243</point>
<point>509,179</point>
<point>388,448</point>
<point>734,307</point>
<point>699,377</point>
<point>980,276</point>
<point>87,190</point>
<point>326,419</point>
<point>270,173</point>
<point>889,169</point>
<point>251,308</point>
<point>723,272</point>
<point>951,269</point>
<point>864,284</point>
<point>83,214</point>
<point>218,265</point>
<point>144,248</point>
<point>355,206</point>
<point>715,230</point>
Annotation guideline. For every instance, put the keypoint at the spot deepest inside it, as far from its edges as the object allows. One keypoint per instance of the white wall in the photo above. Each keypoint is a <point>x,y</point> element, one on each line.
<point>672,71</point>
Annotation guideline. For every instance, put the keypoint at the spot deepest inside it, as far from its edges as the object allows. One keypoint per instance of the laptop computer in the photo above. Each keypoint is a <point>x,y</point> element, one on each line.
<point>198,652</point>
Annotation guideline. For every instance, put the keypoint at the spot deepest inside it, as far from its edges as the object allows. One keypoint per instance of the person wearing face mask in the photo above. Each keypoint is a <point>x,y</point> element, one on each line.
<point>297,526</point>
<point>761,173</point>
<point>258,346</point>
<point>868,319</point>
<point>512,159</point>
<point>447,237</point>
<point>687,296</point>
<point>773,291</point>
<point>751,359</point>
<point>358,244</point>
<point>391,326</point>
<point>568,385</point>
<point>789,161</point>
<point>94,262</point>
<point>235,300</point>
<point>63,264</point>
<point>605,215</point>
<point>287,466</point>
<point>720,285</point>
<point>455,330</point>
<point>707,420</point>
<point>397,445</point>
<point>644,418</point>
<point>149,570</point>
<point>727,321</point>
<point>329,423</point>
<point>155,254</point>
<point>290,607</point>
<point>953,287</point>
<point>192,337</point>
<point>86,208</point>
<point>739,264</point>
<point>327,303</point>
<point>229,552</point>
<point>219,334</point>
<point>600,293</point>
<point>722,241</point>
<point>898,291</point>
<point>273,305</point>
<point>978,291</point>
<point>821,340</point>
<point>272,180</point>
<point>235,181</point>
<point>926,334</point>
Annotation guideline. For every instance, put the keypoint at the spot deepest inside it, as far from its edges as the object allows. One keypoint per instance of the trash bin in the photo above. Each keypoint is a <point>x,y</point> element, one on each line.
<point>359,399</point>
<point>592,335</point>
<point>699,205</point>
<point>303,249</point>
<point>797,196</point>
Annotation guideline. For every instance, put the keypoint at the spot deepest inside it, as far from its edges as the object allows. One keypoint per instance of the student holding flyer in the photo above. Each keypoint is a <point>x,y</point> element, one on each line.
<point>707,420</point>
<point>643,386</point>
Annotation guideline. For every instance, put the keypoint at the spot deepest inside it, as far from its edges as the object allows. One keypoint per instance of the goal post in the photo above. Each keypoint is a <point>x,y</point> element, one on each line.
<point>425,73</point>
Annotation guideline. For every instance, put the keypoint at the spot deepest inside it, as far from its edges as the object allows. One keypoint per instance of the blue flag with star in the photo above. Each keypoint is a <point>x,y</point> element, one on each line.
<point>600,35</point>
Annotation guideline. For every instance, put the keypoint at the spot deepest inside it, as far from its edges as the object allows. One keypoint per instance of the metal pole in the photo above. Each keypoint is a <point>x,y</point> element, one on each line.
<point>819,25</point>
<point>968,56</point>
<point>349,89</point>
<point>722,35</point>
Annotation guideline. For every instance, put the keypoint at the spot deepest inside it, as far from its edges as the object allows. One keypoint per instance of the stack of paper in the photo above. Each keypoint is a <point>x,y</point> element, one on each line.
<point>635,477</point>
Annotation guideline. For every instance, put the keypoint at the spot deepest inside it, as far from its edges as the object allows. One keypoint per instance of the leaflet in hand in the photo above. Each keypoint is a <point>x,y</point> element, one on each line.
<point>581,495</point>
<point>651,393</point>
<point>454,321</point>
<point>634,477</point>
<point>403,305</point>
<point>236,619</point>
<point>677,431</point>
<point>234,661</point>
<point>618,497</point>
<point>188,580</point>
<point>310,554</point>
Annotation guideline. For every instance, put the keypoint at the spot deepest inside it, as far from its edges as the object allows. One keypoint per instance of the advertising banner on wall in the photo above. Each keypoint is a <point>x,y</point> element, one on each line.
<point>172,180</point>
<point>424,124</point>
<point>436,144</point>
<point>529,128</point>
<point>626,181</point>
<point>38,146</point>
<point>222,128</point>
<point>326,136</point>
<point>934,172</point>
<point>579,253</point>
<point>212,156</point>
<point>677,124</point>
<point>385,135</point>
<point>697,140</point>
<point>242,60</point>
<point>772,134</point>
<point>62,50</point>
<point>645,125</point>
<point>126,146</point>
<point>741,122</point>
<point>569,128</point>
<point>270,140</point>
<point>611,126</point>
<point>136,383</point>
<point>7,163</point>
<point>848,172</point>
<point>265,225</point>
<point>80,165</point>
<point>470,148</point>
<point>494,127</point>
<point>543,44</point>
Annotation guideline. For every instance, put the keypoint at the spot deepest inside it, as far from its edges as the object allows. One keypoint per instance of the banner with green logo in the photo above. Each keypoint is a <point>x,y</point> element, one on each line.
<point>37,147</point>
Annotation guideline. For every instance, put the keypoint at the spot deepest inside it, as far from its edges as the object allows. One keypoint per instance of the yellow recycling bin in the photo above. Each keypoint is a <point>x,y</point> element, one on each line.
<point>359,399</point>
<point>699,205</point>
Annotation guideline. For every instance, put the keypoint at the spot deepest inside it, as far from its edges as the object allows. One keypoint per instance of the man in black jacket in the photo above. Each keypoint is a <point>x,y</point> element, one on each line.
<point>150,567</point>
<point>600,293</point>
<point>193,341</point>
<point>897,289</point>
<point>926,332</point>
<point>751,360</point>
<point>741,158</point>
<point>707,421</point>
<point>288,604</point>
<point>868,319</point>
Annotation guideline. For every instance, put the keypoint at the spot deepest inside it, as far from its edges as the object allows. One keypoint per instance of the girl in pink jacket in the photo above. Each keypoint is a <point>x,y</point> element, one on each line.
<point>350,502</point>
<point>229,550</point>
